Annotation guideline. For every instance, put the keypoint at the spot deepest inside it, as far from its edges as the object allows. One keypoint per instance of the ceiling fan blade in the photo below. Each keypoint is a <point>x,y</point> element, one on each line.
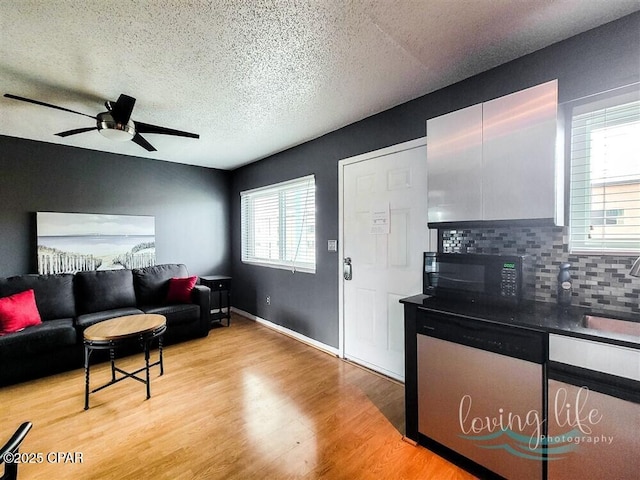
<point>121,110</point>
<point>137,138</point>
<point>148,128</point>
<point>37,102</point>
<point>77,130</point>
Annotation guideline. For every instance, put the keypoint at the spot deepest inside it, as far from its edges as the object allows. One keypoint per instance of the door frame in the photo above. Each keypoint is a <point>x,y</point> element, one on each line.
<point>409,145</point>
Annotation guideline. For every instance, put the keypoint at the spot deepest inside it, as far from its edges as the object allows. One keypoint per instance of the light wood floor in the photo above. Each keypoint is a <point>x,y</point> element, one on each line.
<point>246,402</point>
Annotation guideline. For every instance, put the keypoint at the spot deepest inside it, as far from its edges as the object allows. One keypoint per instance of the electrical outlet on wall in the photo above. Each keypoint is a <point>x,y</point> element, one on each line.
<point>332,245</point>
<point>268,299</point>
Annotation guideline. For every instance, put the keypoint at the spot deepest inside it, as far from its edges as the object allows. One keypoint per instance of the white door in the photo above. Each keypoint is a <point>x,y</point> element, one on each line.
<point>384,233</point>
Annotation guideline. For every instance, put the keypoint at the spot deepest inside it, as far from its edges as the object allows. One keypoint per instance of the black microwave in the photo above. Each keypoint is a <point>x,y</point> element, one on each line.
<point>506,279</point>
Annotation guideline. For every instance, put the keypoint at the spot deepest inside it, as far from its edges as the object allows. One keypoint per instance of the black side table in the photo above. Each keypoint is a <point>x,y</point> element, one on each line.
<point>219,283</point>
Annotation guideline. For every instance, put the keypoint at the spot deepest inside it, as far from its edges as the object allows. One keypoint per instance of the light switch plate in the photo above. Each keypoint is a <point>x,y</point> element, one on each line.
<point>332,245</point>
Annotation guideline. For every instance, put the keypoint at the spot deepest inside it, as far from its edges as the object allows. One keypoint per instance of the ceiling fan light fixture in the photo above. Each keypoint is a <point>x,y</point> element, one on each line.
<point>109,128</point>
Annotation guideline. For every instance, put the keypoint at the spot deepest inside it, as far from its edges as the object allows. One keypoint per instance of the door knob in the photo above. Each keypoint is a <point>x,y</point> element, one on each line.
<point>347,269</point>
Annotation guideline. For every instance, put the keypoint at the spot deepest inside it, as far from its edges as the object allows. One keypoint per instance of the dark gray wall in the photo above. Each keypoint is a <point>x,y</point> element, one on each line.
<point>190,204</point>
<point>598,60</point>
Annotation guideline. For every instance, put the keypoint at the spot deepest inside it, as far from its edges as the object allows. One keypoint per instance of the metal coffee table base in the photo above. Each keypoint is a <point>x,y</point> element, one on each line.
<point>145,340</point>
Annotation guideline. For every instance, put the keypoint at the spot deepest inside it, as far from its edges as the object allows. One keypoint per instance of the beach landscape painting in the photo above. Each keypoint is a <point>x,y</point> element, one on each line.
<point>73,242</point>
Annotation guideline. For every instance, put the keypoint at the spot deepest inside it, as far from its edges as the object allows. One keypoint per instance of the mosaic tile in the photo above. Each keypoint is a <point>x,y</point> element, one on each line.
<point>598,280</point>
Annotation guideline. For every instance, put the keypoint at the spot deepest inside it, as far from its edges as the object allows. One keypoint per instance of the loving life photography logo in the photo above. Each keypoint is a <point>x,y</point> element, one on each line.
<point>522,433</point>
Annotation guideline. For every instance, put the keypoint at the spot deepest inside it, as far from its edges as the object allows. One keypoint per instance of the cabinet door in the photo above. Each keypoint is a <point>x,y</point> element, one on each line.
<point>519,154</point>
<point>454,166</point>
<point>592,435</point>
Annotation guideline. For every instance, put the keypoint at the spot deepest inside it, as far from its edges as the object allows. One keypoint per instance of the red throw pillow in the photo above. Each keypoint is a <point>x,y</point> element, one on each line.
<point>18,312</point>
<point>180,289</point>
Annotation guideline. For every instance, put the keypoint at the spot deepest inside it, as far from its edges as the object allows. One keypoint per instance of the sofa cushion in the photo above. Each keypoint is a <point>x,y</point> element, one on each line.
<point>152,283</point>
<point>88,319</point>
<point>177,314</point>
<point>54,293</point>
<point>18,312</point>
<point>45,337</point>
<point>104,290</point>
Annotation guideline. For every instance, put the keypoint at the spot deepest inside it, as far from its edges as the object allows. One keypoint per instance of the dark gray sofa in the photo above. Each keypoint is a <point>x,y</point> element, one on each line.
<point>69,303</point>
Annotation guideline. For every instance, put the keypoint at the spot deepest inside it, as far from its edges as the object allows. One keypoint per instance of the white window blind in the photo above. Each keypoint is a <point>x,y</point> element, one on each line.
<point>605,176</point>
<point>279,225</point>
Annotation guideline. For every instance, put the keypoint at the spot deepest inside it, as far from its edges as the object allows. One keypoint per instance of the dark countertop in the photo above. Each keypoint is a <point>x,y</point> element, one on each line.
<point>547,317</point>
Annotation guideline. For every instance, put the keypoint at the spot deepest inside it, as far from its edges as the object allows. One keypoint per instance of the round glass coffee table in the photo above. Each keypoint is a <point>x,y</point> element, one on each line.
<point>118,332</point>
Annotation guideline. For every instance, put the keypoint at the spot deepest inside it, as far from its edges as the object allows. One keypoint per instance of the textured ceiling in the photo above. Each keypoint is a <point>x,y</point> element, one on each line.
<point>255,77</point>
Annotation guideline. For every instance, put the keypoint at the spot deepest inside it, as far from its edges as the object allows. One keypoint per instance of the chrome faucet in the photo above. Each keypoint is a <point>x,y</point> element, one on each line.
<point>635,269</point>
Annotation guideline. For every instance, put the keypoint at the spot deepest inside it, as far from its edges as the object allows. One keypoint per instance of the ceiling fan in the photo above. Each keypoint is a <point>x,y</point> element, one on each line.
<point>115,123</point>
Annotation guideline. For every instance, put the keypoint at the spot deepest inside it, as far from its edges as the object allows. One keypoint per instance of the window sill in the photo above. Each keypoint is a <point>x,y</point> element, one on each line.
<point>608,252</point>
<point>281,266</point>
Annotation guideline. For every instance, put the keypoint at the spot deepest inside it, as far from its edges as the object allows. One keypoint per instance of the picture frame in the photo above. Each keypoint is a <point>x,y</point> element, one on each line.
<point>72,242</point>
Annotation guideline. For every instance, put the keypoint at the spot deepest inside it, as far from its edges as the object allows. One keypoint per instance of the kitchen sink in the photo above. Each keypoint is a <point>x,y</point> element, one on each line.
<point>614,325</point>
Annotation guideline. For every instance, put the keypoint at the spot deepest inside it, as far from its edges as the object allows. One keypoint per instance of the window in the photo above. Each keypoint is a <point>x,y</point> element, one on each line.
<point>279,225</point>
<point>605,176</point>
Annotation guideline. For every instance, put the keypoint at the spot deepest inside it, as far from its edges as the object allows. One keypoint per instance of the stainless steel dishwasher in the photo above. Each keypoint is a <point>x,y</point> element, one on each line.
<point>481,392</point>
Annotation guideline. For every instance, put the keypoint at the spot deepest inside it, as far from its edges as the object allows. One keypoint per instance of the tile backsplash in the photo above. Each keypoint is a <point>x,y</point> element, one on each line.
<point>599,281</point>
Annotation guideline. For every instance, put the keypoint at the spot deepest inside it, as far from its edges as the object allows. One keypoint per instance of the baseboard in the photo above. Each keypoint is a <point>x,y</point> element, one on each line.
<point>290,333</point>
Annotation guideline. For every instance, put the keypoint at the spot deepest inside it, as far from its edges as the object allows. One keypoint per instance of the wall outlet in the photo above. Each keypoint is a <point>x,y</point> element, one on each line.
<point>268,300</point>
<point>332,245</point>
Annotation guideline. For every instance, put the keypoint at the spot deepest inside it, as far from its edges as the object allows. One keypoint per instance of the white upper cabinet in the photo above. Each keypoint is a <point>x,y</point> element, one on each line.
<point>454,165</point>
<point>497,161</point>
<point>519,154</point>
